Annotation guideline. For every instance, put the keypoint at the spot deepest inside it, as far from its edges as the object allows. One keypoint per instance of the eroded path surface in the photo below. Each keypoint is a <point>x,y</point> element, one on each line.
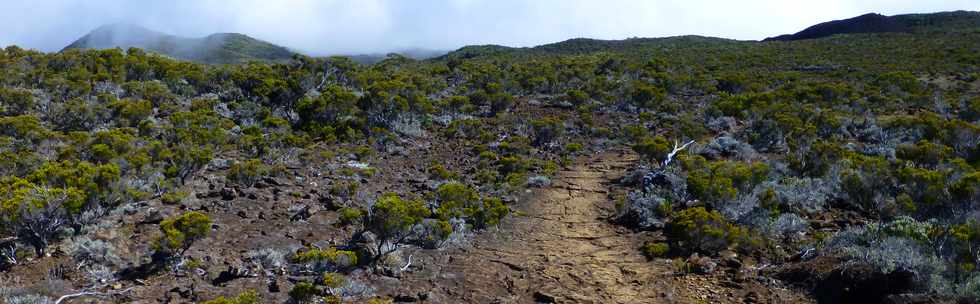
<point>561,248</point>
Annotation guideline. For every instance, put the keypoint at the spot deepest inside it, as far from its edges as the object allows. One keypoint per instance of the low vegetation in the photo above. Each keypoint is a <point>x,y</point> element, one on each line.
<point>857,149</point>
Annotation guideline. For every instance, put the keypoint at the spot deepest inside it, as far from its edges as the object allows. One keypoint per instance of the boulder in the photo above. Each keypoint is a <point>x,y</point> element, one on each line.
<point>700,264</point>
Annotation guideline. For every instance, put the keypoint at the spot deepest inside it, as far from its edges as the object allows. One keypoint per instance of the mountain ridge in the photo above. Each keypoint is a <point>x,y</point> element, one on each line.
<point>218,48</point>
<point>953,21</point>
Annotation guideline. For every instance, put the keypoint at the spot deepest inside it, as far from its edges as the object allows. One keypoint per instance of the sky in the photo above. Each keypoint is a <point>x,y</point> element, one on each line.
<point>329,27</point>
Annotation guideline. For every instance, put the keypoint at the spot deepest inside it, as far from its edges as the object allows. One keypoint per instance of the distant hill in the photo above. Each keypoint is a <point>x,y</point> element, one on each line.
<point>417,54</point>
<point>214,49</point>
<point>586,45</point>
<point>957,21</point>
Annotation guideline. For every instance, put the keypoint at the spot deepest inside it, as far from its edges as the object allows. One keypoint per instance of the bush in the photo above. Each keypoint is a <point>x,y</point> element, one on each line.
<point>327,259</point>
<point>391,219</point>
<point>34,213</point>
<point>349,216</point>
<point>643,211</point>
<point>489,213</point>
<point>439,172</point>
<point>576,97</point>
<point>647,96</point>
<point>333,280</point>
<point>923,152</point>
<point>456,200</point>
<point>546,130</point>
<point>247,297</point>
<point>538,181</point>
<point>85,251</point>
<point>721,181</point>
<point>344,188</point>
<point>726,146</point>
<point>512,164</point>
<point>180,232</point>
<point>786,226</point>
<point>15,102</point>
<point>654,149</point>
<point>268,258</point>
<point>970,289</point>
<point>303,292</point>
<point>655,250</point>
<point>327,115</point>
<point>248,172</point>
<point>432,233</point>
<point>706,232</point>
<point>886,253</point>
<point>574,148</point>
<point>174,197</point>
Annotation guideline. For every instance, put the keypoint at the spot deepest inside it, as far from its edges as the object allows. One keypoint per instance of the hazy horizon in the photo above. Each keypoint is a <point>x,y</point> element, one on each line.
<point>379,26</point>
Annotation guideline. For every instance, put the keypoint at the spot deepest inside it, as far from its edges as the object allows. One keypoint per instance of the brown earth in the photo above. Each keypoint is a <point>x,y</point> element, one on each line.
<point>560,247</point>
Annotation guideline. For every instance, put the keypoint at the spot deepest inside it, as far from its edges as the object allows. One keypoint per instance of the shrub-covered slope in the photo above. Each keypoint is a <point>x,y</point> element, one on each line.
<point>945,22</point>
<point>213,49</point>
<point>830,164</point>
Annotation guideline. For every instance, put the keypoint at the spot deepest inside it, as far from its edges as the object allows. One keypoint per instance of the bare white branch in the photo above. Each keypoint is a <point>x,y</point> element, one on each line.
<point>670,156</point>
<point>90,293</point>
<point>407,264</point>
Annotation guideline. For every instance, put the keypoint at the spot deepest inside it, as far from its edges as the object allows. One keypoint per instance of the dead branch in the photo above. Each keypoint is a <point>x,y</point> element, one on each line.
<point>670,156</point>
<point>90,293</point>
<point>407,264</point>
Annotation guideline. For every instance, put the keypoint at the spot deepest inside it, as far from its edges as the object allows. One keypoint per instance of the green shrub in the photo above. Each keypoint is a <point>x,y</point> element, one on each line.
<point>391,219</point>
<point>547,130</point>
<point>344,188</point>
<point>439,172</point>
<point>720,181</point>
<point>248,172</point>
<point>15,101</point>
<point>333,280</point>
<point>654,149</point>
<point>303,292</point>
<point>967,188</point>
<point>455,199</point>
<point>247,297</point>
<point>512,164</point>
<point>574,148</point>
<point>174,197</point>
<point>349,216</point>
<point>923,152</point>
<point>647,96</point>
<point>489,213</point>
<point>325,114</point>
<point>576,97</point>
<point>342,259</point>
<point>706,232</point>
<point>132,112</point>
<point>180,232</point>
<point>655,250</point>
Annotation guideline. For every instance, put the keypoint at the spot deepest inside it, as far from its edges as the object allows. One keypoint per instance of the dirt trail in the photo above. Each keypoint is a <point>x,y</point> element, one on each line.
<point>561,248</point>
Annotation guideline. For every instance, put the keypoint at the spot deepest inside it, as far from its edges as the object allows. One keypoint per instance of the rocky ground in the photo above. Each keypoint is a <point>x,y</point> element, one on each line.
<point>561,248</point>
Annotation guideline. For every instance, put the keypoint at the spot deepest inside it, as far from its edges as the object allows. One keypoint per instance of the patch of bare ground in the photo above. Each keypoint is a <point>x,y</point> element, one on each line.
<point>561,248</point>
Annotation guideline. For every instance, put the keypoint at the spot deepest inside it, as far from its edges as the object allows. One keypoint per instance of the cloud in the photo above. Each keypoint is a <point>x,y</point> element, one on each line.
<point>364,26</point>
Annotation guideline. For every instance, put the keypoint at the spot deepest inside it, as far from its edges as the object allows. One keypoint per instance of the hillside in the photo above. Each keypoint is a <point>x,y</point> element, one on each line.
<point>417,54</point>
<point>958,21</point>
<point>214,49</point>
<point>591,46</point>
<point>844,169</point>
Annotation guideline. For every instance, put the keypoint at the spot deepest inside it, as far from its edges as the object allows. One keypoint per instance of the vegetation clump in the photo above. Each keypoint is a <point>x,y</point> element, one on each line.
<point>181,231</point>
